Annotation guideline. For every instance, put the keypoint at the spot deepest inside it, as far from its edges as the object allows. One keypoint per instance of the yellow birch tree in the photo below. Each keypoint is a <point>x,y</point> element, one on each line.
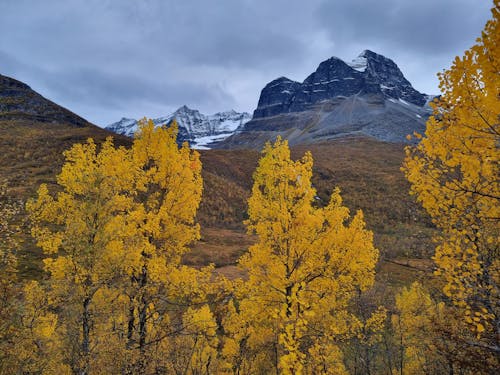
<point>160,288</point>
<point>115,236</point>
<point>291,313</point>
<point>84,233</point>
<point>454,172</point>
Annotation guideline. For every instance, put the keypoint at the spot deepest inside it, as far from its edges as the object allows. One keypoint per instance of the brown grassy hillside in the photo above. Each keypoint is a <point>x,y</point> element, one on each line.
<point>367,172</point>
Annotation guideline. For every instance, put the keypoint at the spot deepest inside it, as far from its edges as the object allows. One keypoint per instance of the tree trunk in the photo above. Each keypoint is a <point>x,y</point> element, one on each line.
<point>143,311</point>
<point>131,324</point>
<point>85,360</point>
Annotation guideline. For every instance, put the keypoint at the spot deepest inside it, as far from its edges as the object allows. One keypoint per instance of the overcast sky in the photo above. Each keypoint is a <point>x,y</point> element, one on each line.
<point>107,59</point>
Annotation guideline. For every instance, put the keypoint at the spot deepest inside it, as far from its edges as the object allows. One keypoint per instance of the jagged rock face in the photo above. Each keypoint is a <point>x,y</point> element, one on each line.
<point>332,78</point>
<point>276,97</point>
<point>392,81</point>
<point>198,129</point>
<point>367,97</point>
<point>368,74</point>
<point>19,102</point>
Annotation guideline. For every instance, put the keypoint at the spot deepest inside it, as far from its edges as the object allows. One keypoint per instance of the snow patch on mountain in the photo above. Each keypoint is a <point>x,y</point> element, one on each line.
<point>198,129</point>
<point>204,143</point>
<point>359,63</point>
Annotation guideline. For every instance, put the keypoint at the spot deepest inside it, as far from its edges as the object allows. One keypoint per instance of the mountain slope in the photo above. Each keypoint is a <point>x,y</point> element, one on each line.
<point>198,129</point>
<point>367,172</point>
<point>369,97</point>
<point>19,102</point>
<point>34,132</point>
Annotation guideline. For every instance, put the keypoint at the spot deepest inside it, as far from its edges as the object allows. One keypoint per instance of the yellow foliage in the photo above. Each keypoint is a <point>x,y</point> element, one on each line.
<point>325,358</point>
<point>454,174</point>
<point>114,236</point>
<point>307,264</point>
<point>417,325</point>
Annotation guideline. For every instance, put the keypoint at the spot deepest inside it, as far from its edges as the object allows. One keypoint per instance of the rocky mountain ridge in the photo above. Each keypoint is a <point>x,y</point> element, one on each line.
<point>367,97</point>
<point>369,73</point>
<point>198,129</point>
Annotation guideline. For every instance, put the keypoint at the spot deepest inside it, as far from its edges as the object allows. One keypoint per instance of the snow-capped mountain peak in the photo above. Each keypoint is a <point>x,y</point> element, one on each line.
<point>198,129</point>
<point>126,126</point>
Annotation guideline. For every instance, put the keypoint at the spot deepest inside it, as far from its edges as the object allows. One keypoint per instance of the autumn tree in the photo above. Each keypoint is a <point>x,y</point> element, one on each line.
<point>85,234</point>
<point>454,172</point>
<point>39,346</point>
<point>413,324</point>
<point>431,337</point>
<point>309,261</point>
<point>195,350</point>
<point>28,343</point>
<point>115,234</point>
<point>159,287</point>
<point>366,351</point>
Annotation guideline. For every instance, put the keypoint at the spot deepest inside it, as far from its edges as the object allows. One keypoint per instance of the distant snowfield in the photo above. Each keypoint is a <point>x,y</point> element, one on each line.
<point>203,143</point>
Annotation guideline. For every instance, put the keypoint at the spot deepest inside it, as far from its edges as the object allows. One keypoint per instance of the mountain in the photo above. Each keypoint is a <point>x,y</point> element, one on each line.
<point>369,96</point>
<point>19,101</point>
<point>34,136</point>
<point>198,129</point>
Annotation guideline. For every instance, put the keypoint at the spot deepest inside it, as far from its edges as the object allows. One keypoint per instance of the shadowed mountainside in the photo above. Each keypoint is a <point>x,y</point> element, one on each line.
<point>19,102</point>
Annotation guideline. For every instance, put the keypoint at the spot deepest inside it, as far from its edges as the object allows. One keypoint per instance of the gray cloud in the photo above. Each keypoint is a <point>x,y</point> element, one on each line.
<point>108,58</point>
<point>427,27</point>
<point>422,36</point>
<point>124,93</point>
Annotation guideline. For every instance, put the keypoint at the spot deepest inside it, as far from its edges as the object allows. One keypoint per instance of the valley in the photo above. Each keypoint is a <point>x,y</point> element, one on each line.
<point>366,169</point>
